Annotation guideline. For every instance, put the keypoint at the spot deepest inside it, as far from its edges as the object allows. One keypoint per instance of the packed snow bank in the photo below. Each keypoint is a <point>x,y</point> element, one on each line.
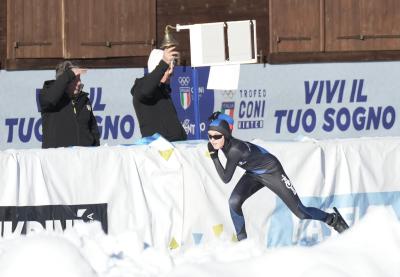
<point>43,255</point>
<point>370,248</point>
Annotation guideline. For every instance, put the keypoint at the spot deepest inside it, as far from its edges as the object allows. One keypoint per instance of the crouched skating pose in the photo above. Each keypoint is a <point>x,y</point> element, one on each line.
<point>262,170</point>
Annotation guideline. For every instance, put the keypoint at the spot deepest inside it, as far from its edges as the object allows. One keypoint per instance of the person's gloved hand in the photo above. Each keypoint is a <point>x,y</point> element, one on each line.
<point>214,116</point>
<point>213,152</point>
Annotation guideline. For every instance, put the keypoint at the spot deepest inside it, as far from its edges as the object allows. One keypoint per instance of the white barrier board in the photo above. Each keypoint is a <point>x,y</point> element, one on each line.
<point>174,195</point>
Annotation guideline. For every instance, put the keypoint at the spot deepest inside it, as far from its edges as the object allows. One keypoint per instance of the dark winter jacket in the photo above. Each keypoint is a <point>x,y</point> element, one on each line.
<point>66,122</point>
<point>154,107</point>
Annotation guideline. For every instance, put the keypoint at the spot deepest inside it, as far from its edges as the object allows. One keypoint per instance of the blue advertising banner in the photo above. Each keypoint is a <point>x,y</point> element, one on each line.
<point>183,97</point>
<point>272,102</point>
<point>320,101</point>
<point>109,92</point>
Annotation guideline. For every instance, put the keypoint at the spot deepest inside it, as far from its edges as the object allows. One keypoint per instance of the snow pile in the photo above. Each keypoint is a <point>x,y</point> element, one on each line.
<point>370,248</point>
<point>44,256</point>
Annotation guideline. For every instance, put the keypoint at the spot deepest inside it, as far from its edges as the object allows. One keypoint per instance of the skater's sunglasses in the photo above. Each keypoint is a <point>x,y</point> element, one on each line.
<point>215,137</point>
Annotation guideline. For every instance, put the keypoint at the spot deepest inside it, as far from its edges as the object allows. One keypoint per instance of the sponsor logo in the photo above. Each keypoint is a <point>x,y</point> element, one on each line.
<point>184,81</point>
<point>186,92</point>
<point>228,93</point>
<point>228,108</point>
<point>17,220</point>
<point>190,127</point>
<point>186,104</point>
<point>185,97</point>
<point>288,184</point>
<point>252,108</point>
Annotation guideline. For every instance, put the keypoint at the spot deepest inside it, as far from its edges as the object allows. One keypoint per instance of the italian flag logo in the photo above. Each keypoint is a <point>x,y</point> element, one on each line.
<point>186,98</point>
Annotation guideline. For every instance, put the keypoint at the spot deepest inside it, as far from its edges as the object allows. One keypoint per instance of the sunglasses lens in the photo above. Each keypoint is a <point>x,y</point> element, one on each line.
<point>216,137</point>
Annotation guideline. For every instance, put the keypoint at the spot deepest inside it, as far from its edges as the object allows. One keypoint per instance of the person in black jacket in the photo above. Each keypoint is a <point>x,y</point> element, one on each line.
<point>262,170</point>
<point>152,100</point>
<point>67,116</point>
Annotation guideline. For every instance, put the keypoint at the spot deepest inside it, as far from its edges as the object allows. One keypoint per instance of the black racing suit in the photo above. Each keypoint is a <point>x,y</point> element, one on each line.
<point>154,107</point>
<point>262,170</point>
<point>65,121</point>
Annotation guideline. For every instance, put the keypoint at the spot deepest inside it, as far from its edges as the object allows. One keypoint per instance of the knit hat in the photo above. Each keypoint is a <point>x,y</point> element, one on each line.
<point>228,119</point>
<point>218,125</point>
<point>222,126</point>
<point>155,57</point>
<point>64,66</point>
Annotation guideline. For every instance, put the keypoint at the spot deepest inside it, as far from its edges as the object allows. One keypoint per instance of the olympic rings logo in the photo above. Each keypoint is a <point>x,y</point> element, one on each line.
<point>228,93</point>
<point>184,81</point>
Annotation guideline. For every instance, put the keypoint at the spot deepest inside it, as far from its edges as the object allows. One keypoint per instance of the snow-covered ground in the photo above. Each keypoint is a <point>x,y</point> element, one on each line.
<point>370,248</point>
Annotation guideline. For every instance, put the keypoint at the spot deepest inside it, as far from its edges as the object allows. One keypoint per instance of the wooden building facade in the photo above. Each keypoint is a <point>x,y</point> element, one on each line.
<point>36,34</point>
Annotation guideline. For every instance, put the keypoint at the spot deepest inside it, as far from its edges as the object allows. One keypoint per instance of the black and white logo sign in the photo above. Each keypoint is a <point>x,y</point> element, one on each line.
<point>16,220</point>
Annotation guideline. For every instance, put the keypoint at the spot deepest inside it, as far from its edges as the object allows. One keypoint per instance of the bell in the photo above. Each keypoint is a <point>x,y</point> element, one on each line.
<point>169,40</point>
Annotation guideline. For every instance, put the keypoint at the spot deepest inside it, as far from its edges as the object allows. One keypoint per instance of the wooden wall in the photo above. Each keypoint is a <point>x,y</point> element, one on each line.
<point>127,26</point>
<point>171,12</point>
<point>288,31</point>
<point>99,33</point>
<point>365,25</point>
<point>334,30</point>
<point>3,32</point>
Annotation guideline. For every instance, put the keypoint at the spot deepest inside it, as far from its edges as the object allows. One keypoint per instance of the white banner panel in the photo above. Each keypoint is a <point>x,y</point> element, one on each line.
<point>272,102</point>
<point>335,100</point>
<point>174,196</point>
<point>109,91</point>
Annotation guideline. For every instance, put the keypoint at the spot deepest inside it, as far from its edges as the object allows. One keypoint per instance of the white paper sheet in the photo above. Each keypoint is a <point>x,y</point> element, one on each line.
<point>224,77</point>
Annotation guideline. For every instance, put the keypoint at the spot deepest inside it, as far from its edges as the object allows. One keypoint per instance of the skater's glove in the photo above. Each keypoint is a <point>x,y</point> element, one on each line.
<point>213,152</point>
<point>214,116</point>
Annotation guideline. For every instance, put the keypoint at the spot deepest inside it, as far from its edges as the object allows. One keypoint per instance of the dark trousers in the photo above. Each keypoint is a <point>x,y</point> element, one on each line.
<point>279,183</point>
